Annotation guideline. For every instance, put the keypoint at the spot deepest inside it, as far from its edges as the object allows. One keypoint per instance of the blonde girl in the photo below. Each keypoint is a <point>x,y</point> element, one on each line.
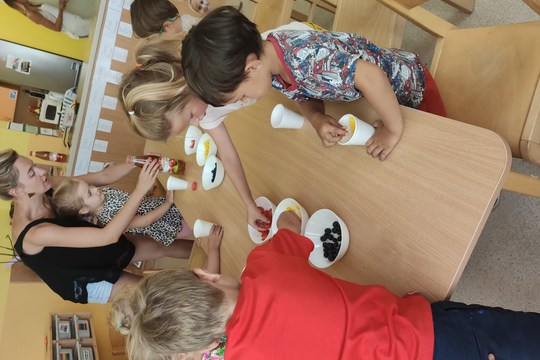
<point>159,104</point>
<point>131,302</point>
<point>156,217</point>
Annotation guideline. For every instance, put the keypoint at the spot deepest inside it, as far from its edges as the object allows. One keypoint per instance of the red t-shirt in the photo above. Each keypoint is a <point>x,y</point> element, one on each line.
<point>289,310</point>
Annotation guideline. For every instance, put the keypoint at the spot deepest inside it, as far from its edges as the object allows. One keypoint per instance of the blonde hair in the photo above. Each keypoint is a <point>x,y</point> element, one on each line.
<point>154,88</point>
<point>9,176</point>
<point>169,313</point>
<point>65,201</point>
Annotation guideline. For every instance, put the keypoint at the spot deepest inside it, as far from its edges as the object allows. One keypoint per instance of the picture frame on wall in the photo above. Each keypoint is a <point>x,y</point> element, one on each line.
<point>87,353</point>
<point>65,354</point>
<point>83,328</point>
<point>64,329</point>
<point>84,352</point>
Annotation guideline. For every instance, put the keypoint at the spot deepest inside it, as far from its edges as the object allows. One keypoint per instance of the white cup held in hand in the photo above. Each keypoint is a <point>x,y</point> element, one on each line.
<point>202,228</point>
<point>359,132</point>
<point>285,118</point>
<point>174,183</point>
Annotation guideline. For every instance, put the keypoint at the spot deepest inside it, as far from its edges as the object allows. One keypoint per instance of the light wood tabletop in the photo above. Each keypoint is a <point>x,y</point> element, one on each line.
<point>413,219</point>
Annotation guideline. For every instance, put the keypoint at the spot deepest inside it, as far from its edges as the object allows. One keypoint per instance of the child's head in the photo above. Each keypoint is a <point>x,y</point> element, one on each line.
<point>150,17</point>
<point>218,55</point>
<point>171,312</point>
<point>155,95</point>
<point>74,198</point>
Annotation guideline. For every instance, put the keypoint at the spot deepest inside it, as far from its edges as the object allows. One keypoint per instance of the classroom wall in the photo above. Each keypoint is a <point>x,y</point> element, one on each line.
<point>28,322</point>
<point>22,143</point>
<point>15,27</point>
<point>19,142</point>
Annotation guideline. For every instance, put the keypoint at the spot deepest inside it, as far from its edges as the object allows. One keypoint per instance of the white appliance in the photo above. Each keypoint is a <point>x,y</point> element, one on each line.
<point>51,108</point>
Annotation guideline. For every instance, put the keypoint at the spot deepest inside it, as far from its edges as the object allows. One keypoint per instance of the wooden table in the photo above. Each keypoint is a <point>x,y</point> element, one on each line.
<point>413,219</point>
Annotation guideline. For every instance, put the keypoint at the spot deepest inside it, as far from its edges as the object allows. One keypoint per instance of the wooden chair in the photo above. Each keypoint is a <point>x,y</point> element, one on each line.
<point>533,4</point>
<point>365,17</point>
<point>489,77</point>
<point>463,5</point>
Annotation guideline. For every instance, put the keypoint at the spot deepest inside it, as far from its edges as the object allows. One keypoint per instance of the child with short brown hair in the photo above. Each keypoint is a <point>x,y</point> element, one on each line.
<point>308,66</point>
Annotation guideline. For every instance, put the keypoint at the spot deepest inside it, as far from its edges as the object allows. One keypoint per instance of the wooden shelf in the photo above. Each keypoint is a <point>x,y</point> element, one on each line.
<point>72,337</point>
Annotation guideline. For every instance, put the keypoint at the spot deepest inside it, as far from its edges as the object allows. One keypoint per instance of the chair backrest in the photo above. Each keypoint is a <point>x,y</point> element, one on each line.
<point>487,76</point>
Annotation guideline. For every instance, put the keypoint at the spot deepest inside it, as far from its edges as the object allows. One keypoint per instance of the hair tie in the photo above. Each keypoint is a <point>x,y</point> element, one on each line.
<point>131,112</point>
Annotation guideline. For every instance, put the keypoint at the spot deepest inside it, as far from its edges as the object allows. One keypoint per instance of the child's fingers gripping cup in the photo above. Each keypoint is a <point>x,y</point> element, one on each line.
<point>202,228</point>
<point>284,118</point>
<point>359,131</point>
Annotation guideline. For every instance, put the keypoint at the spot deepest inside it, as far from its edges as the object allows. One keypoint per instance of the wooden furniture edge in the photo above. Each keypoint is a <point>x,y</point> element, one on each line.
<point>522,184</point>
<point>505,173</point>
<point>434,25</point>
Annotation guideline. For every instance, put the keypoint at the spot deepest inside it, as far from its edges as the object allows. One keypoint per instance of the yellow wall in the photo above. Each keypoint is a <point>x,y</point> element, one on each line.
<point>15,27</point>
<point>21,142</point>
<point>18,141</point>
<point>27,323</point>
<point>31,304</point>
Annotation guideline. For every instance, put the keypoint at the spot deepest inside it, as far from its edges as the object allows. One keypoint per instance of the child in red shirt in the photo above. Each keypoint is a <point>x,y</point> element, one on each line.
<point>285,309</point>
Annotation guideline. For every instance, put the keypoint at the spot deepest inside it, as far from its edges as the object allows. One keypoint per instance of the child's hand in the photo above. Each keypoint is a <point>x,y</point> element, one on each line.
<point>381,144</point>
<point>169,197</point>
<point>214,239</point>
<point>147,177</point>
<point>257,219</point>
<point>328,129</point>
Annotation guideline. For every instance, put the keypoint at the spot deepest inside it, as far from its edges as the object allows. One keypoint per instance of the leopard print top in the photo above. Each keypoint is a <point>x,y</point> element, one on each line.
<point>163,230</point>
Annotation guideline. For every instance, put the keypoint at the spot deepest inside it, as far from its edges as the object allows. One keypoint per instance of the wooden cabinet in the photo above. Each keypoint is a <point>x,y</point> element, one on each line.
<point>72,337</point>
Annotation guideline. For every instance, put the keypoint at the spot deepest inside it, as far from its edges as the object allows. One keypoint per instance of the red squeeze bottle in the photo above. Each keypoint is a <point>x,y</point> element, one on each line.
<point>168,165</point>
<point>50,156</point>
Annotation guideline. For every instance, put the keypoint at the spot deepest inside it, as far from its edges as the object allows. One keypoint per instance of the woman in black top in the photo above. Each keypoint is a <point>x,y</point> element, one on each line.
<point>70,255</point>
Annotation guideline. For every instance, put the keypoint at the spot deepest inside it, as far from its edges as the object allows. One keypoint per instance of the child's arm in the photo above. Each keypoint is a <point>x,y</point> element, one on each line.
<point>106,176</point>
<point>374,85</point>
<point>214,242</point>
<point>154,215</point>
<point>48,234</point>
<point>233,166</point>
<point>39,19</point>
<point>328,128</point>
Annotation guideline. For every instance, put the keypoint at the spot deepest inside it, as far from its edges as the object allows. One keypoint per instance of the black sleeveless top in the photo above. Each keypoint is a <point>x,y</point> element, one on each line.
<point>67,271</point>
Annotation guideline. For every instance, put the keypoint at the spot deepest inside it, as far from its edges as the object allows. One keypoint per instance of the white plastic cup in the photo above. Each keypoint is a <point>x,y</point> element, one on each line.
<point>174,183</point>
<point>359,131</point>
<point>284,118</point>
<point>202,228</point>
